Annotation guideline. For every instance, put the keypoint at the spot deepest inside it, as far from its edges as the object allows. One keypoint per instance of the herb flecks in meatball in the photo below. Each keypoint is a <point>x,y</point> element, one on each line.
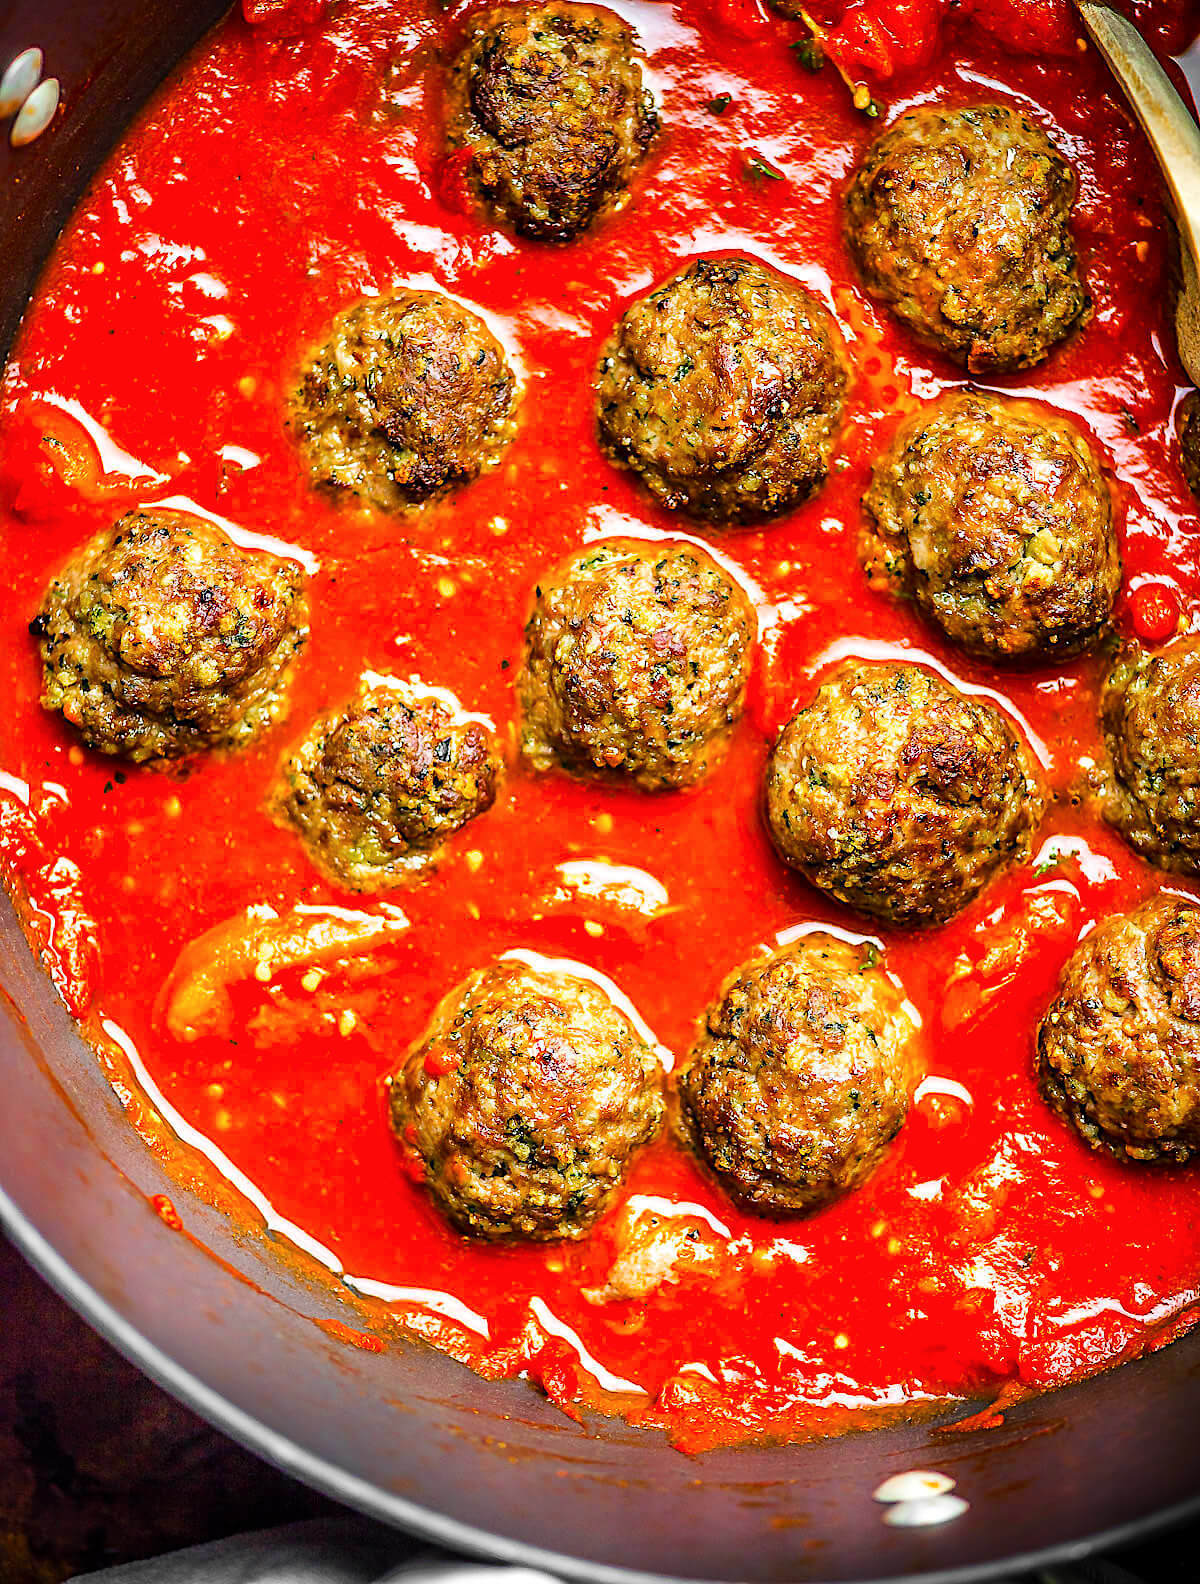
<point>723,389</point>
<point>899,795</point>
<point>1119,1047</point>
<point>547,104</point>
<point>376,788</point>
<point>996,518</point>
<point>525,1101</point>
<point>960,221</point>
<point>636,658</point>
<point>1187,420</point>
<point>801,1077</point>
<point>1150,711</point>
<point>408,396</point>
<point>163,638</point>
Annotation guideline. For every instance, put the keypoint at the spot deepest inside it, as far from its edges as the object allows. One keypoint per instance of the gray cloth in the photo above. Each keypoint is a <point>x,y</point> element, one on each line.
<point>353,1551</point>
<point>324,1551</point>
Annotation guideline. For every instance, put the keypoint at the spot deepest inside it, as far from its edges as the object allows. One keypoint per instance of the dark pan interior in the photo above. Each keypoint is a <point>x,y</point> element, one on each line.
<point>409,1435</point>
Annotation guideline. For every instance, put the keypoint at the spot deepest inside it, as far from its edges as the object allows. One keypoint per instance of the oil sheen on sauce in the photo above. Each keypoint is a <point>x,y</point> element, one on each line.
<point>275,181</point>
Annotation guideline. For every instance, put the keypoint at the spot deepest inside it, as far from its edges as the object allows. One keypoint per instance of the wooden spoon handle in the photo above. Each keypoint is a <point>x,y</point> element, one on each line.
<point>1175,139</point>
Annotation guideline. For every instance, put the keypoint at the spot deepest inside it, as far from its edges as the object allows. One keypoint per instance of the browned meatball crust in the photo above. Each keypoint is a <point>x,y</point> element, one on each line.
<point>1150,711</point>
<point>1187,421</point>
<point>549,102</point>
<point>1119,1047</point>
<point>899,795</point>
<point>162,638</point>
<point>723,388</point>
<point>376,787</point>
<point>636,658</point>
<point>408,396</point>
<point>801,1077</point>
<point>524,1102</point>
<point>960,221</point>
<point>996,518</point>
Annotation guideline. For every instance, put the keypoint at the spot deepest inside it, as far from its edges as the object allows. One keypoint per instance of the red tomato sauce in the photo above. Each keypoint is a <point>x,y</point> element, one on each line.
<point>279,178</point>
<point>884,38</point>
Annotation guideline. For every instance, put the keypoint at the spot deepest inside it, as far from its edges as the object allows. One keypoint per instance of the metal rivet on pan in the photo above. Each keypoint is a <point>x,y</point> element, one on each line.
<point>929,1510</point>
<point>19,81</point>
<point>913,1485</point>
<point>36,114</point>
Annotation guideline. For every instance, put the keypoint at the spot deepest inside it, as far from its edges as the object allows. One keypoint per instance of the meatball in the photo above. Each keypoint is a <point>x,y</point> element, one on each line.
<point>900,795</point>
<point>162,638</point>
<point>1119,1047</point>
<point>636,658</point>
<point>525,1100</point>
<point>960,221</point>
<point>1150,712</point>
<point>1188,423</point>
<point>407,397</point>
<point>546,104</point>
<point>377,787</point>
<point>996,518</point>
<point>723,389</point>
<point>801,1077</point>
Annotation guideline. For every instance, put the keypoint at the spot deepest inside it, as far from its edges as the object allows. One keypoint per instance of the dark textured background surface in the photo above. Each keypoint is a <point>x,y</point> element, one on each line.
<point>97,1465</point>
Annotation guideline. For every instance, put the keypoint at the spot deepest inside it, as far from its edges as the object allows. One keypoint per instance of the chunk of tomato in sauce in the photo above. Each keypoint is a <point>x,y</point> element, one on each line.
<point>882,40</point>
<point>1154,611</point>
<point>886,40</point>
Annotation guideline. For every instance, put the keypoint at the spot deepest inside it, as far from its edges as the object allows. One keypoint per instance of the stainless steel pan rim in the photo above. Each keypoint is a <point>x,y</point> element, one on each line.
<point>376,1503</point>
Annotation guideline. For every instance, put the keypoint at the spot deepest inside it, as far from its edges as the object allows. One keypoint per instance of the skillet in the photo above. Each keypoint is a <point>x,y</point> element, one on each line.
<point>410,1436</point>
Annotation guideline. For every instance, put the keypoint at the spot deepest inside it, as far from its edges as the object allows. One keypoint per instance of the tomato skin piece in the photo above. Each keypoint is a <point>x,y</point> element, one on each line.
<point>884,40</point>
<point>51,464</point>
<point>439,1063</point>
<point>1154,611</point>
<point>452,184</point>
